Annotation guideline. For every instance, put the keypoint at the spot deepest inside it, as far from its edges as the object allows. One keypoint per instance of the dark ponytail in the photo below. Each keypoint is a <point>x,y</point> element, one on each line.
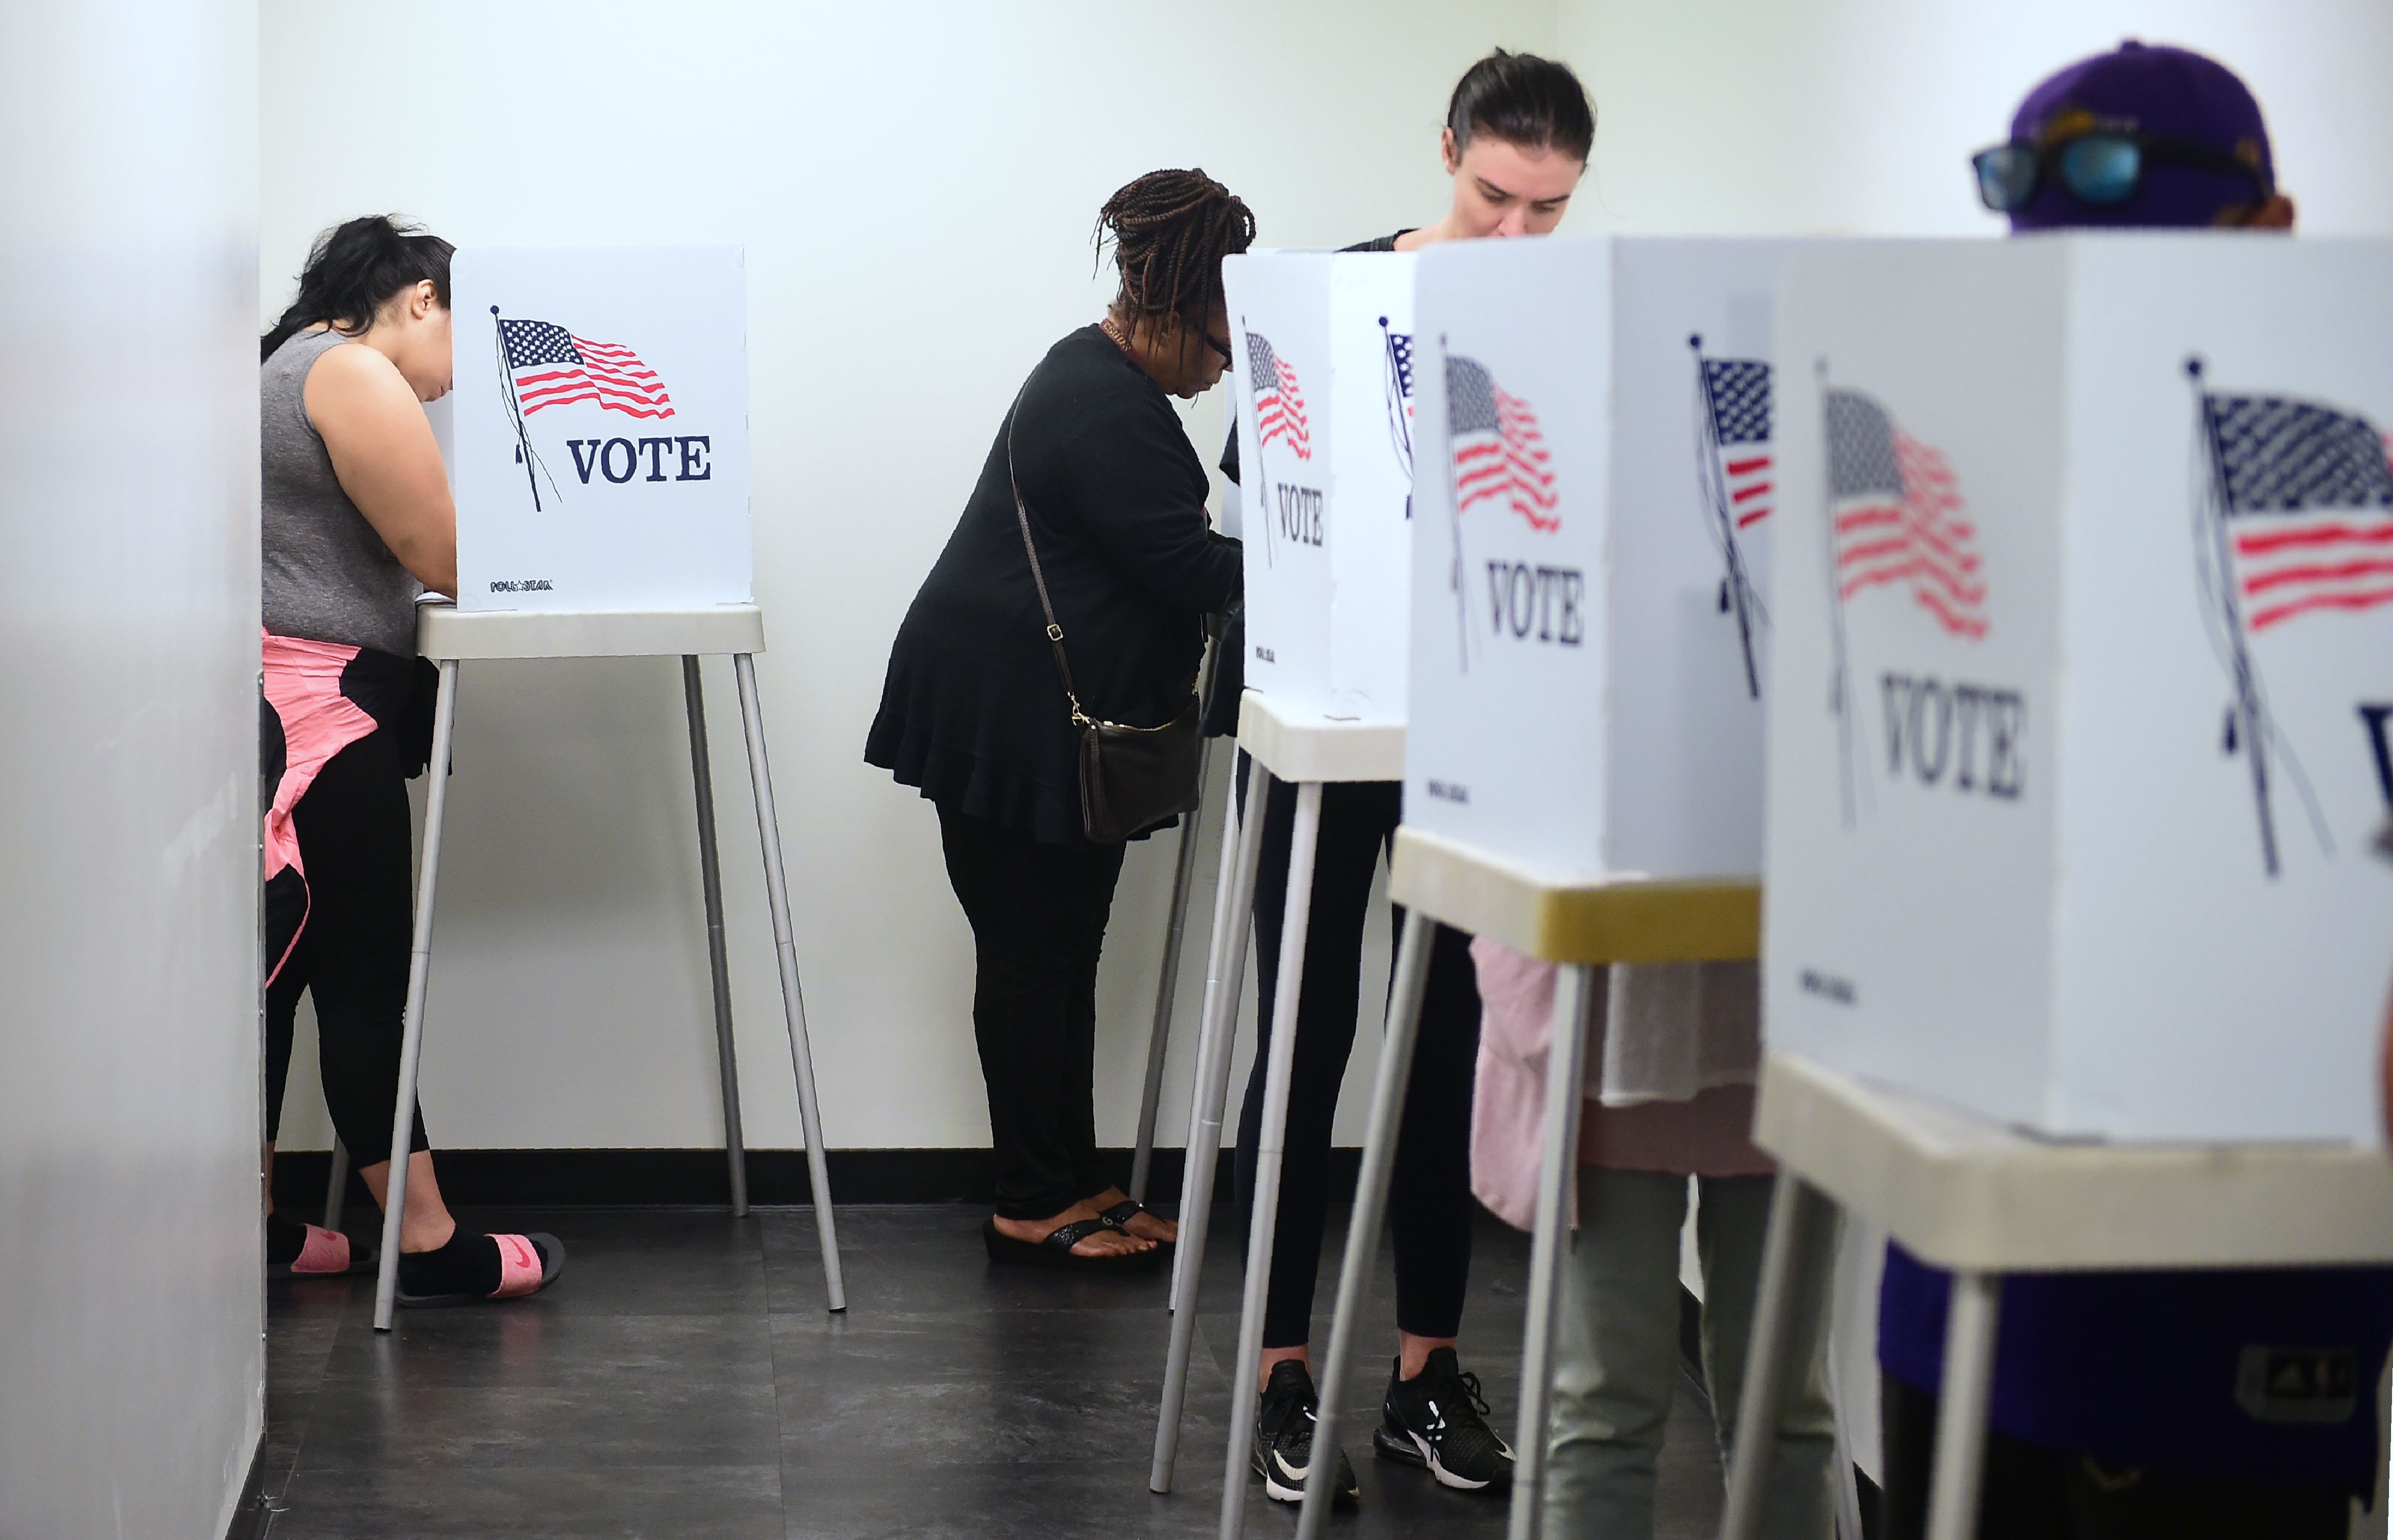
<point>1523,100</point>
<point>354,269</point>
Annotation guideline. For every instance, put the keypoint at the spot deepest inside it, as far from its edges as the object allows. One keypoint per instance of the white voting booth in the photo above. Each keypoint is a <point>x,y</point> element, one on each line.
<point>1591,555</point>
<point>2085,661</point>
<point>1323,388</point>
<point>1592,522</point>
<point>1324,398</point>
<point>599,453</point>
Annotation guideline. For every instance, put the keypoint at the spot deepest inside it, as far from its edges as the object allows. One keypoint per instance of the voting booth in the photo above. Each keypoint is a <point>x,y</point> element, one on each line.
<point>2083,661</point>
<point>1325,371</point>
<point>601,427</point>
<point>598,449</point>
<point>1595,516</point>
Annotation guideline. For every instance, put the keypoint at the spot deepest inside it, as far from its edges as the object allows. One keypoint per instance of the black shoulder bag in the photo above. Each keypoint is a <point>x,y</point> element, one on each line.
<point>1130,777</point>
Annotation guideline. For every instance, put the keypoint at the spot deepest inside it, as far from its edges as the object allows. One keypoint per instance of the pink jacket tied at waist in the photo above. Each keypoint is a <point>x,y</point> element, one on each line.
<point>1671,1072</point>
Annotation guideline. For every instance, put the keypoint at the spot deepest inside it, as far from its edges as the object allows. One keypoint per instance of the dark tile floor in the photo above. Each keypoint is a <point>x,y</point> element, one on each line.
<point>683,1380</point>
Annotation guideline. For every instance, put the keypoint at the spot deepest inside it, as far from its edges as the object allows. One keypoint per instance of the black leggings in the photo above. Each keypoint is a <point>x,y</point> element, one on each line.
<point>1428,1199</point>
<point>1037,915</point>
<point>356,846</point>
<point>2034,1493</point>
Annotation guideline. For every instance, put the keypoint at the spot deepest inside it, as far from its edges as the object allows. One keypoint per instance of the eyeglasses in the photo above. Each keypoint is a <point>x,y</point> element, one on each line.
<point>1229,360</point>
<point>2100,168</point>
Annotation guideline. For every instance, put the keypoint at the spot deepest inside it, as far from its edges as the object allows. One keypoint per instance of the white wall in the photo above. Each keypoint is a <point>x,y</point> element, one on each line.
<point>915,187</point>
<point>1858,116</point>
<point>131,1372</point>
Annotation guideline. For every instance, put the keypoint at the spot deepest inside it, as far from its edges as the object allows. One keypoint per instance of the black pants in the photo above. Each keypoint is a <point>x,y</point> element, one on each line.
<point>352,956</point>
<point>2034,1493</point>
<point>1037,915</point>
<point>1429,1198</point>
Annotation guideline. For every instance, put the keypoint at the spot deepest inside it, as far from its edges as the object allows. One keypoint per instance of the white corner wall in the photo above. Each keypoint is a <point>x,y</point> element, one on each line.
<point>915,189</point>
<point>131,1369</point>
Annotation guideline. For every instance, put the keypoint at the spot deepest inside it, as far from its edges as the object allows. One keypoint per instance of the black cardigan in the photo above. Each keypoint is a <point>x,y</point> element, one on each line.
<point>972,710</point>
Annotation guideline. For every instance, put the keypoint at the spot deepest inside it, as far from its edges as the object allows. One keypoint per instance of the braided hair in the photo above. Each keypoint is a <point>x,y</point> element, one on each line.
<point>1171,230</point>
<point>353,268</point>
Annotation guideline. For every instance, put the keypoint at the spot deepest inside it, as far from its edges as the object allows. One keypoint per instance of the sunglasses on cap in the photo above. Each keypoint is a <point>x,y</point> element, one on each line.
<point>2102,167</point>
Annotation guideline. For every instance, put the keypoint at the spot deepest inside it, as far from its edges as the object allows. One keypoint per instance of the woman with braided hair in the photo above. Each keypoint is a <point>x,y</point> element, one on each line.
<point>975,714</point>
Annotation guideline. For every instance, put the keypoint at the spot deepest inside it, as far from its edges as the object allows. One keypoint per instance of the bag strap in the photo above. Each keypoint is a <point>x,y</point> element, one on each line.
<point>1038,576</point>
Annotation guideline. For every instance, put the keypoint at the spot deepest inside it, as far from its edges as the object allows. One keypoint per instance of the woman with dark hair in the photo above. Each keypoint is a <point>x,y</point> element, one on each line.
<point>357,522</point>
<point>1091,470</point>
<point>1516,138</point>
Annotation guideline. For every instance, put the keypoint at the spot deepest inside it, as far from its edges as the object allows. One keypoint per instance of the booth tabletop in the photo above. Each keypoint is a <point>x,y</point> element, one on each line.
<point>1305,746</point>
<point>1959,1191</point>
<point>445,632</point>
<point>1573,920</point>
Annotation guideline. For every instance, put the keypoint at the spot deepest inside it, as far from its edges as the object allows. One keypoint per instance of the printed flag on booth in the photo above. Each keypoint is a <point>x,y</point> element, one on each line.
<point>1280,401</point>
<point>1499,454</point>
<point>1736,396</point>
<point>1895,513</point>
<point>2307,493</point>
<point>551,366</point>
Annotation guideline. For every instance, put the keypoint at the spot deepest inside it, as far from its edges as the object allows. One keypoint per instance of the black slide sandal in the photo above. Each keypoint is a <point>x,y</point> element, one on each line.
<point>1056,1251</point>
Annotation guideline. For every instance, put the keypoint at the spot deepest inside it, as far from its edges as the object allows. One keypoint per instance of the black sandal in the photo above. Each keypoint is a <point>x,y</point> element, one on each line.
<point>1056,1251</point>
<point>1121,1214</point>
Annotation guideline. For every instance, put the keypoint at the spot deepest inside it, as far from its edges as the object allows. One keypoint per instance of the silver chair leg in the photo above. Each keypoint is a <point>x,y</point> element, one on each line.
<point>1159,1036</point>
<point>336,1185</point>
<point>1959,1461</point>
<point>777,891</point>
<point>1234,904</point>
<point>1271,1147</point>
<point>710,873</point>
<point>1796,1206</point>
<point>1370,1197</point>
<point>1575,998</point>
<point>419,974</point>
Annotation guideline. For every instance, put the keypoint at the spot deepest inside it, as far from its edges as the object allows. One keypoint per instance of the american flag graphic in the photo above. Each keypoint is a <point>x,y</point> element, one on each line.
<point>1895,515</point>
<point>1497,450</point>
<point>2307,496</point>
<point>1397,388</point>
<point>1279,402</point>
<point>1737,393</point>
<point>551,366</point>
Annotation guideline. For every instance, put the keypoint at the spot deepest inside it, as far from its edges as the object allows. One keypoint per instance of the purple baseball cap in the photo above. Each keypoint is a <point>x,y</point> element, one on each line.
<point>2171,92</point>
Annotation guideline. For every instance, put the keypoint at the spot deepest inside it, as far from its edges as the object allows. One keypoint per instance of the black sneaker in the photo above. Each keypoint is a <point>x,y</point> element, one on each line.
<point>1438,1420</point>
<point>1284,1437</point>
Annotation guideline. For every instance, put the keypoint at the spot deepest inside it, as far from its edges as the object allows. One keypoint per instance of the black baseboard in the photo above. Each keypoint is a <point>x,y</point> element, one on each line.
<point>541,1179</point>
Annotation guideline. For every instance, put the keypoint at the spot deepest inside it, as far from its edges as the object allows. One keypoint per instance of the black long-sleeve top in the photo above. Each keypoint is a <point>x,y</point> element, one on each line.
<point>973,711</point>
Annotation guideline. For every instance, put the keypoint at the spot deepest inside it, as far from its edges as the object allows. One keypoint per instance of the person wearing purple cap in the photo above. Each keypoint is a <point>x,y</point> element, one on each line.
<point>2192,1405</point>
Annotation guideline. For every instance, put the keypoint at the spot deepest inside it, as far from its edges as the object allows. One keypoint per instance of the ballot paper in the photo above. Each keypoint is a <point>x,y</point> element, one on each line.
<point>600,427</point>
<point>1594,517</point>
<point>2082,670</point>
<point>1323,388</point>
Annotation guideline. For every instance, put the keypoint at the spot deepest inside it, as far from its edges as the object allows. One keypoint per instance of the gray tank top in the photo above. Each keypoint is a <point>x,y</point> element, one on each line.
<point>328,577</point>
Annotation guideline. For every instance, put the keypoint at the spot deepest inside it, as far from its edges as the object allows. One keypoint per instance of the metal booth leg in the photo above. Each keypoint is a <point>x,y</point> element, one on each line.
<point>1796,1210</point>
<point>710,873</point>
<point>1575,998</point>
<point>336,1185</point>
<point>777,891</point>
<point>1159,1036</point>
<point>419,974</point>
<point>1233,906</point>
<point>1961,1405</point>
<point>1370,1196</point>
<point>1271,1147</point>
